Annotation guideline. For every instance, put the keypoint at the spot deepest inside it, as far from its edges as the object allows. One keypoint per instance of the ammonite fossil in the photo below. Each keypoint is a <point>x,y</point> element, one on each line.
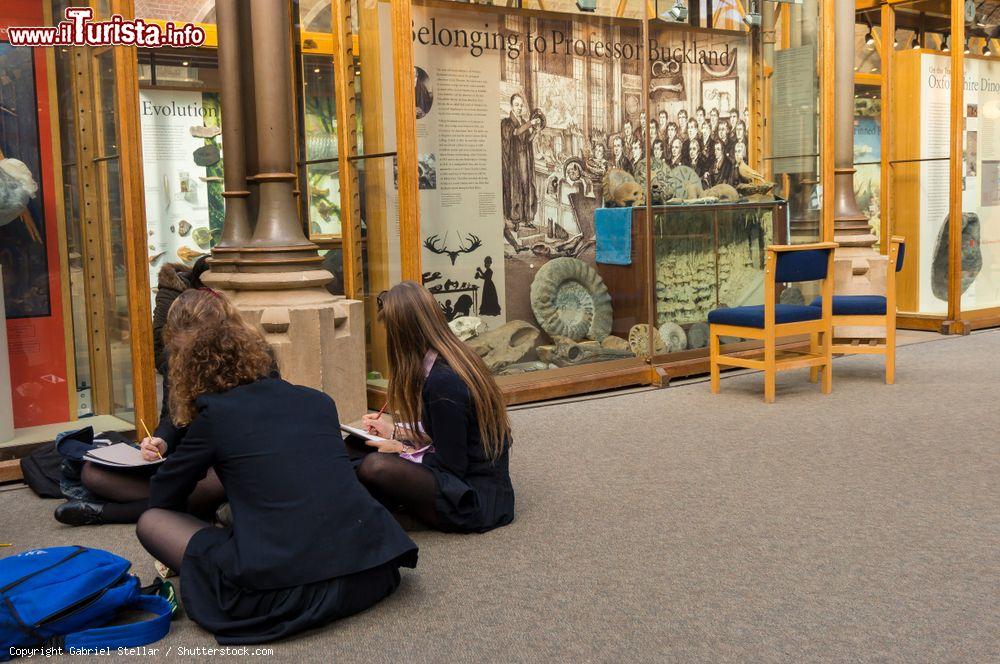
<point>673,337</point>
<point>698,335</point>
<point>638,341</point>
<point>569,299</point>
<point>685,182</point>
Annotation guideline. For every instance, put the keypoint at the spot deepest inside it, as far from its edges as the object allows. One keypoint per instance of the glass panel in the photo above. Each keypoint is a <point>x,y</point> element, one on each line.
<point>919,168</point>
<point>792,131</point>
<point>866,40</point>
<point>75,249</point>
<point>201,11</point>
<point>714,14</point>
<point>633,9</point>
<point>868,152</point>
<point>109,184</point>
<point>707,251</point>
<point>514,139</point>
<point>980,237</point>
<point>29,252</point>
<point>318,153</point>
<point>380,253</point>
<point>707,257</point>
<point>182,172</point>
<point>187,68</point>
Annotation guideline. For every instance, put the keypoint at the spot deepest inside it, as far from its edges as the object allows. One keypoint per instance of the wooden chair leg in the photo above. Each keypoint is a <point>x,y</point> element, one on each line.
<point>713,344</point>
<point>814,349</point>
<point>770,368</point>
<point>890,354</point>
<point>827,386</point>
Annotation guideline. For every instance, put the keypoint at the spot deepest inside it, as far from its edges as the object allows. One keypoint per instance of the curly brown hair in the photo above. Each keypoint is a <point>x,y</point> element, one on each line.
<point>211,350</point>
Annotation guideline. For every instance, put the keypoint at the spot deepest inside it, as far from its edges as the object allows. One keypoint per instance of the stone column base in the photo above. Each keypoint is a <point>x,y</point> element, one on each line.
<point>318,338</point>
<point>848,280</point>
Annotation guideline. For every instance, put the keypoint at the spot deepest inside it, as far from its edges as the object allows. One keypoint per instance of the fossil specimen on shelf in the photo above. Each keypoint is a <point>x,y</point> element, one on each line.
<point>467,327</point>
<point>567,353</point>
<point>569,299</point>
<point>698,335</point>
<point>638,340</point>
<point>621,189</point>
<point>510,343</point>
<point>673,337</point>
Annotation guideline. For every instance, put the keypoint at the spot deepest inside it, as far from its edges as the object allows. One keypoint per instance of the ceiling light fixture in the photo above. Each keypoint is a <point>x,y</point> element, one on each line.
<point>677,13</point>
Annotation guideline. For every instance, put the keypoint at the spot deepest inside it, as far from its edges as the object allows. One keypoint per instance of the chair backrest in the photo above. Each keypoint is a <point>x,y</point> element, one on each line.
<point>799,262</point>
<point>806,264</point>
<point>897,251</point>
<point>899,242</point>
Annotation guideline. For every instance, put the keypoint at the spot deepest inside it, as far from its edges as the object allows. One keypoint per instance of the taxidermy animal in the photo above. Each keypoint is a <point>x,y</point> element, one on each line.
<point>749,174</point>
<point>723,191</point>
<point>431,244</point>
<point>621,189</point>
<point>17,187</point>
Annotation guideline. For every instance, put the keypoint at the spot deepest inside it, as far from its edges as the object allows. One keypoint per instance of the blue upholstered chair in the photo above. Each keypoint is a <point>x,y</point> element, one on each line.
<point>770,321</point>
<point>872,311</point>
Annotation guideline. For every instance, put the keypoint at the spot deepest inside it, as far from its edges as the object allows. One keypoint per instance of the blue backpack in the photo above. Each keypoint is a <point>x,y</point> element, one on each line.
<point>65,595</point>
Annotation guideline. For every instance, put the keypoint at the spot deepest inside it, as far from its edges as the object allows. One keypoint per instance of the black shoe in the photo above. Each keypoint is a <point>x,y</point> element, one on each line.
<point>80,513</point>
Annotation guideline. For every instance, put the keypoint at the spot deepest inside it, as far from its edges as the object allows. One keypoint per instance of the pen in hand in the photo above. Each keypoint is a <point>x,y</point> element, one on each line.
<point>149,435</point>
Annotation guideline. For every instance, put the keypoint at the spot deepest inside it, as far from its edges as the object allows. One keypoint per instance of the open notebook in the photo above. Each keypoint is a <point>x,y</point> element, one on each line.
<point>119,455</point>
<point>361,433</point>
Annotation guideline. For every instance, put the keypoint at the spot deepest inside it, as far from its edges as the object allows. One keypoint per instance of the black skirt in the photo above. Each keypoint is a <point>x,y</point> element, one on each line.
<point>237,615</point>
<point>466,507</point>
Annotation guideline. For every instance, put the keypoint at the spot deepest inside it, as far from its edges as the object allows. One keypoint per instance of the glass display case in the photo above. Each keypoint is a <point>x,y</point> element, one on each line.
<point>943,169</point>
<point>707,257</point>
<point>529,122</point>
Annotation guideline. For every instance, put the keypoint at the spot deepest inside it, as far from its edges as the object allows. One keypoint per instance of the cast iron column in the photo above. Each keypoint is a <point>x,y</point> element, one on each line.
<point>850,226</point>
<point>236,230</point>
<point>278,243</point>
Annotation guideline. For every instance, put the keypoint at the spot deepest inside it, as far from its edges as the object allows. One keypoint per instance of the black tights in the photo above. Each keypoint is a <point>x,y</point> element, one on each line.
<point>165,534</point>
<point>397,482</point>
<point>126,492</point>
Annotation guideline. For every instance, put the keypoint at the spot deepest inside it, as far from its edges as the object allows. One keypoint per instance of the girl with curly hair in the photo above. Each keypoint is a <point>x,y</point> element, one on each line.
<point>307,544</point>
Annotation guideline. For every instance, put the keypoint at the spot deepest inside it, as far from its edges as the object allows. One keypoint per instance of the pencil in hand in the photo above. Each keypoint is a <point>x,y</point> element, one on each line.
<point>149,435</point>
<point>372,429</point>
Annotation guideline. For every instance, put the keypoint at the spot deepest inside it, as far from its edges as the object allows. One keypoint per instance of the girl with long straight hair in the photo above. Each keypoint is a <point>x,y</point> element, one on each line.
<point>446,460</point>
<point>307,544</point>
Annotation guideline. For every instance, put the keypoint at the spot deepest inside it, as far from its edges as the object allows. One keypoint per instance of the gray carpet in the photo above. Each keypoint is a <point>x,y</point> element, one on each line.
<point>673,525</point>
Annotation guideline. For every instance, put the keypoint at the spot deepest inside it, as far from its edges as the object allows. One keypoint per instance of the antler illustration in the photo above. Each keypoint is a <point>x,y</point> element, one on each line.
<point>474,243</point>
<point>431,244</point>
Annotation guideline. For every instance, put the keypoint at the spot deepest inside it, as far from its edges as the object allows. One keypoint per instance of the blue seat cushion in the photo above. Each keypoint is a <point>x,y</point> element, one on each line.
<point>855,305</point>
<point>754,316</point>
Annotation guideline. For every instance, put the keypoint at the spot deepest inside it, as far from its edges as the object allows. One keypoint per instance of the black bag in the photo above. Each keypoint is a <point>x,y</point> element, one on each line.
<point>42,467</point>
<point>41,471</point>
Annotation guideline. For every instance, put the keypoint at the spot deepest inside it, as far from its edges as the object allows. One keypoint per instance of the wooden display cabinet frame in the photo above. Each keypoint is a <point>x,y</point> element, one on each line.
<point>898,146</point>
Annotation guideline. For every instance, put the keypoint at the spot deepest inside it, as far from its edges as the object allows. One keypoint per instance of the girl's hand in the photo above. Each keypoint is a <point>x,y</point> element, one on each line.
<point>386,446</point>
<point>371,422</point>
<point>151,446</point>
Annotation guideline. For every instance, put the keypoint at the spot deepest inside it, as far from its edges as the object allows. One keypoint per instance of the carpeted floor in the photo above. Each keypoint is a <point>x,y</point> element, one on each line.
<point>673,525</point>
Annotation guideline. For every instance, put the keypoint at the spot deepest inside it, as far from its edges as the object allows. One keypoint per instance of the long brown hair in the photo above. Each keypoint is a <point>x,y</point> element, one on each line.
<point>211,349</point>
<point>415,324</point>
